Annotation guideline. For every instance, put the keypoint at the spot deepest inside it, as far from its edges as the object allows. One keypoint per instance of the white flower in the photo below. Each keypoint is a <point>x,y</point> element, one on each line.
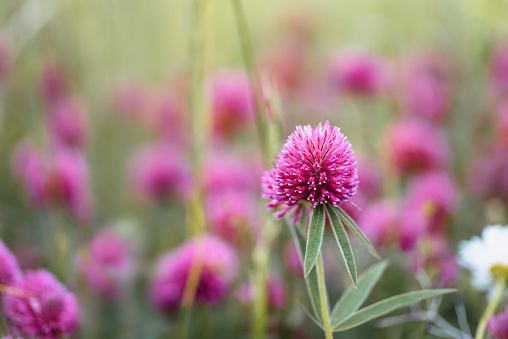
<point>479,255</point>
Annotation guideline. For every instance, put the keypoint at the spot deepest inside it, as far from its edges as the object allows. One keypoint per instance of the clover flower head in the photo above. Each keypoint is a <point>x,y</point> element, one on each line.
<point>317,165</point>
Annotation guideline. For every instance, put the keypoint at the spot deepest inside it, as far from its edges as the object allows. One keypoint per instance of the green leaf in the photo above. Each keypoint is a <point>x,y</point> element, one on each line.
<point>312,279</point>
<point>343,241</point>
<point>353,298</point>
<point>314,238</point>
<point>385,306</point>
<point>356,230</point>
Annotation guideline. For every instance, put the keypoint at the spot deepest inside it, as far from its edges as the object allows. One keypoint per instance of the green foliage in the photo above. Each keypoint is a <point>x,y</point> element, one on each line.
<point>314,238</point>
<point>386,306</point>
<point>353,298</point>
<point>312,279</point>
<point>343,241</point>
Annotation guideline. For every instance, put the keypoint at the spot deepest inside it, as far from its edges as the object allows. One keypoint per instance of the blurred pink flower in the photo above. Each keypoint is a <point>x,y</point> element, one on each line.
<point>28,167</point>
<point>131,99</point>
<point>498,325</point>
<point>4,59</point>
<point>502,121</point>
<point>53,83</point>
<point>66,183</point>
<point>412,228</point>
<point>67,123</point>
<point>371,181</point>
<point>357,73</point>
<point>62,180</point>
<point>167,117</point>
<point>276,293</point>
<point>426,91</point>
<point>490,165</point>
<point>317,165</point>
<point>229,171</point>
<point>292,259</point>
<point>159,171</point>
<point>448,272</point>
<point>499,69</point>
<point>219,267</point>
<point>46,310</point>
<point>232,214</point>
<point>415,146</point>
<point>231,100</point>
<point>435,194</point>
<point>380,221</point>
<point>9,268</point>
<point>244,294</point>
<point>108,266</point>
<point>436,258</point>
<point>287,62</point>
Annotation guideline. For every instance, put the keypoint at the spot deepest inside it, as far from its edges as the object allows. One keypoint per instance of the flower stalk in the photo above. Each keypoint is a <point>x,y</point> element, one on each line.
<point>248,59</point>
<point>261,253</point>
<point>323,295</point>
<point>196,224</point>
<point>491,307</point>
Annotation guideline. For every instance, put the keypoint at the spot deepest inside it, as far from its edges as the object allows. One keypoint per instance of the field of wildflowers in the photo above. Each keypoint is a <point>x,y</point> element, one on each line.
<point>253,169</point>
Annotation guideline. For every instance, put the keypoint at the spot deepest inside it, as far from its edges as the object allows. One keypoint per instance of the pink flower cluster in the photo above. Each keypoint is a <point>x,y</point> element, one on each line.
<point>358,73</point>
<point>276,294</point>
<point>46,310</point>
<point>4,58</point>
<point>498,325</point>
<point>426,88</point>
<point>60,179</point>
<point>218,262</point>
<point>232,191</point>
<point>416,146</point>
<point>9,269</point>
<point>67,123</point>
<point>108,265</point>
<point>159,171</point>
<point>232,102</point>
<point>317,165</point>
<point>35,304</point>
<point>66,117</point>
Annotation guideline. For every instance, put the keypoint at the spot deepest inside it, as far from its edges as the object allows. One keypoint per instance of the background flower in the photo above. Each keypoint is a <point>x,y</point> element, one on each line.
<point>479,255</point>
<point>219,268</point>
<point>46,310</point>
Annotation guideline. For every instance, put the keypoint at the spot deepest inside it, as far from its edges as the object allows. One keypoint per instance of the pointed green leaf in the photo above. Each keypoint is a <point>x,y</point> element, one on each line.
<point>386,306</point>
<point>314,238</point>
<point>350,223</point>
<point>312,279</point>
<point>353,298</point>
<point>343,241</point>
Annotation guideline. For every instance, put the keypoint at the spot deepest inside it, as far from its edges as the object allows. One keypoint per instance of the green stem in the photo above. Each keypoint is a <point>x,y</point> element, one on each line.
<point>491,307</point>
<point>261,254</point>
<point>195,223</point>
<point>261,260</point>
<point>248,59</point>
<point>323,296</point>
